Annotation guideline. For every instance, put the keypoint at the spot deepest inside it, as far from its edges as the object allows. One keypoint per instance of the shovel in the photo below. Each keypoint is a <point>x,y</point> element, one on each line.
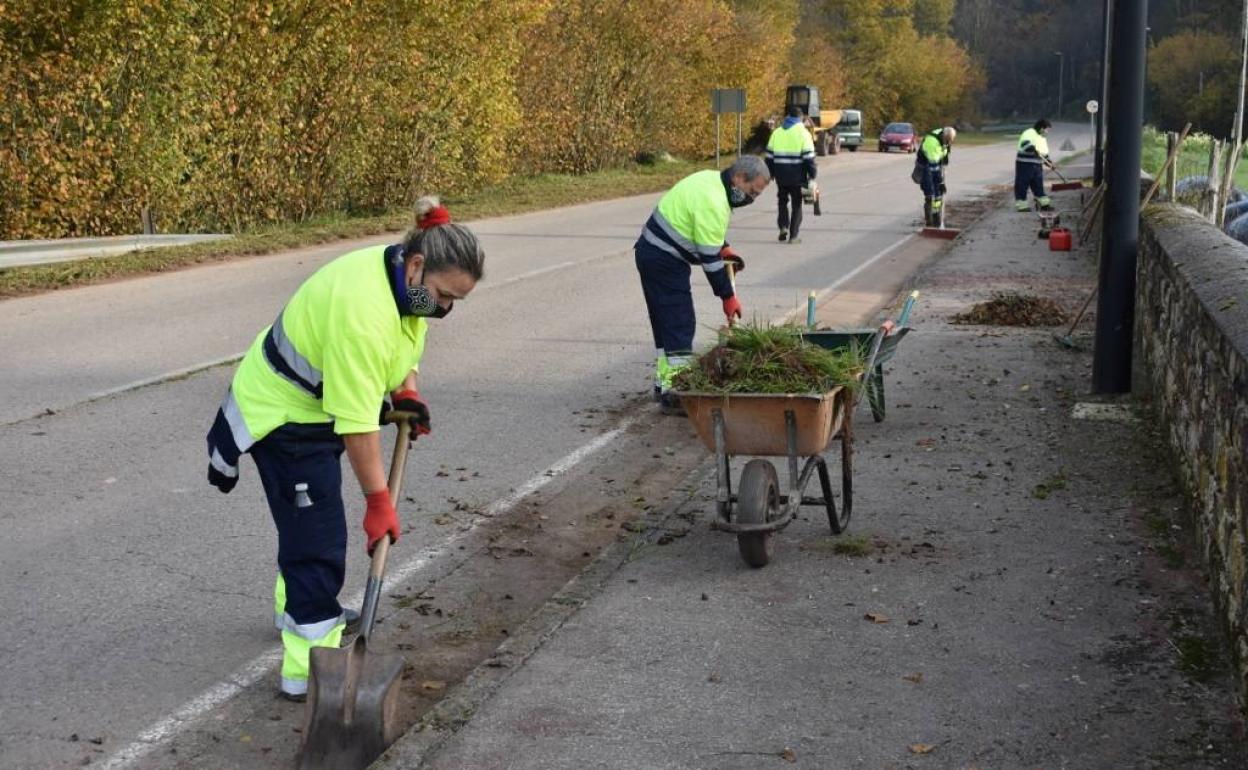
<point>353,692</point>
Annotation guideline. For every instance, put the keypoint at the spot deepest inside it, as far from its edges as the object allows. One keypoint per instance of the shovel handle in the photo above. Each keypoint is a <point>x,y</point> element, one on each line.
<point>372,591</point>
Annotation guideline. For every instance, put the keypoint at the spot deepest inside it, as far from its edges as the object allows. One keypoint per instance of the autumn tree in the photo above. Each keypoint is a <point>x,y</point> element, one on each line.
<point>1193,76</point>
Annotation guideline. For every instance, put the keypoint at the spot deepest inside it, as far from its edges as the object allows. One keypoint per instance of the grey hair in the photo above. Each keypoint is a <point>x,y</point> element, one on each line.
<point>751,167</point>
<point>444,246</point>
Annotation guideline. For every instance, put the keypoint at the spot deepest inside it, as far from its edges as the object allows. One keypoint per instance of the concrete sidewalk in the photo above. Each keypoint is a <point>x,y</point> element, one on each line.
<point>1015,590</point>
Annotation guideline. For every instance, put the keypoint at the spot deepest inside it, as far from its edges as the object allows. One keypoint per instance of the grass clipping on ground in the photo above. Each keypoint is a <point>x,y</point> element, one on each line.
<point>1013,309</point>
<point>770,360</point>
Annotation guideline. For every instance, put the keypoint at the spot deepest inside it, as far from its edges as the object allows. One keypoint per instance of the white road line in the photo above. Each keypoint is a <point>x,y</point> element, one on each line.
<point>261,666</point>
<point>839,282</point>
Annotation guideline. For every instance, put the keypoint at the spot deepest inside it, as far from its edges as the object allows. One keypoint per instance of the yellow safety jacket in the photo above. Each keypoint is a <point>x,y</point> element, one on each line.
<point>1032,147</point>
<point>691,224</point>
<point>331,356</point>
<point>791,155</point>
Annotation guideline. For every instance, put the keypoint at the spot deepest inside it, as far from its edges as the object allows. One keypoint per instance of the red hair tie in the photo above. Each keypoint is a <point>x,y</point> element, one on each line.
<point>438,215</point>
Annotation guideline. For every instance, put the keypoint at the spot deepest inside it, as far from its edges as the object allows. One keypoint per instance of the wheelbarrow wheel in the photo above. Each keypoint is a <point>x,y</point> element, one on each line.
<point>758,502</point>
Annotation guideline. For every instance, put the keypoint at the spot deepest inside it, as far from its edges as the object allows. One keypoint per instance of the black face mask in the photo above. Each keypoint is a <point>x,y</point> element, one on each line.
<point>420,301</point>
<point>738,198</point>
<point>411,300</point>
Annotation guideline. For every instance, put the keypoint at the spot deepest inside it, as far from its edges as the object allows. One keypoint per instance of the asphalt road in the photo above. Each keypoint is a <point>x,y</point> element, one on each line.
<point>132,590</point>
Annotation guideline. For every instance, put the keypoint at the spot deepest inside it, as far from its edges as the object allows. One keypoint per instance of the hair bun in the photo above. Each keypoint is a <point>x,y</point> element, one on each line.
<point>430,213</point>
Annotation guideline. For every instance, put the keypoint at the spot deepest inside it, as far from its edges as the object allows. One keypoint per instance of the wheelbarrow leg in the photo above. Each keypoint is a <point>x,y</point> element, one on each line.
<point>847,468</point>
<point>795,485</point>
<point>723,469</point>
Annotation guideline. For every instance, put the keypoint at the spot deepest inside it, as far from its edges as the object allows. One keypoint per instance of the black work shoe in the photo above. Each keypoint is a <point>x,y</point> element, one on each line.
<point>293,697</point>
<point>669,403</point>
<point>784,235</point>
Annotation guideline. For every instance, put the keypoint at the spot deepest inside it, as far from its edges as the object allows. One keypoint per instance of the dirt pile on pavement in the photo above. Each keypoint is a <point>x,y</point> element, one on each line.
<point>1013,309</point>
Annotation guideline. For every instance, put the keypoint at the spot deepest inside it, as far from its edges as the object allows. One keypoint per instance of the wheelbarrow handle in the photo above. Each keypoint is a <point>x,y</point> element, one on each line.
<point>907,308</point>
<point>372,592</point>
<point>885,329</point>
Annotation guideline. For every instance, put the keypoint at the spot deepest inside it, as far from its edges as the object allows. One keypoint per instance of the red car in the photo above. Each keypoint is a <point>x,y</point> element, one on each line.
<point>899,135</point>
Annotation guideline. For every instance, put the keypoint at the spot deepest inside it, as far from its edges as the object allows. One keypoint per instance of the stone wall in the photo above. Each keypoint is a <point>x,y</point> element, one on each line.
<point>1192,353</point>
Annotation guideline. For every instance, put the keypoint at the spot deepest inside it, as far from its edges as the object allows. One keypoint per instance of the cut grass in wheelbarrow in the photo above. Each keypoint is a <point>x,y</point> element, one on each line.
<point>763,390</point>
<point>772,360</point>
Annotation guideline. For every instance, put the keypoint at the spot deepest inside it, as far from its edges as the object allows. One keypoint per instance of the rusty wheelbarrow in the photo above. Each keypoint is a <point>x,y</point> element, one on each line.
<point>353,692</point>
<point>796,427</point>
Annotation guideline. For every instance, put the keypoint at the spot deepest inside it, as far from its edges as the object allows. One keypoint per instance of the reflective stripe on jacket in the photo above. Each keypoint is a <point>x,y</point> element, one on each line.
<point>331,355</point>
<point>691,223</point>
<point>791,156</point>
<point>1032,147</point>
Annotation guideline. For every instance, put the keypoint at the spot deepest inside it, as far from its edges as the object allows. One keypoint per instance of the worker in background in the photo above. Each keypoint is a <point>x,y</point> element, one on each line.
<point>791,161</point>
<point>1029,165</point>
<point>313,384</point>
<point>688,229</point>
<point>929,171</point>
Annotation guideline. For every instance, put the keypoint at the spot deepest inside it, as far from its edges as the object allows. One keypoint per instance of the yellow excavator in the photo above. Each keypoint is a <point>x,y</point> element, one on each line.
<point>823,122</point>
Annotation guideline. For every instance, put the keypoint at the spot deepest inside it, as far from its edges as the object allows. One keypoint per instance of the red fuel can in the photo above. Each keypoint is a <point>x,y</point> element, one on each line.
<point>1060,239</point>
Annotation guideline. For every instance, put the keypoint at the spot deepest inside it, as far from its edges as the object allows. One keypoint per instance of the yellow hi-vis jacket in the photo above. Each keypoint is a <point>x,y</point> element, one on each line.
<point>791,155</point>
<point>1032,147</point>
<point>331,356</point>
<point>691,224</point>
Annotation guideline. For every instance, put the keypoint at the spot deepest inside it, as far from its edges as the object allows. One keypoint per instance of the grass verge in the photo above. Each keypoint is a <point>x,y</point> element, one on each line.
<point>1192,161</point>
<point>515,196</point>
<point>977,138</point>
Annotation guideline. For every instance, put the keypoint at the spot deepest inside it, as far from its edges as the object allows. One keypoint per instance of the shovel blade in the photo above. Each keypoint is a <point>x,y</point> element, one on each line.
<point>351,711</point>
<point>946,233</point>
<point>1059,186</point>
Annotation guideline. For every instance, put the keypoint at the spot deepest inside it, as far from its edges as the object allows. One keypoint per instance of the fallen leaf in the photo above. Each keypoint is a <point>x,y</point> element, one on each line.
<point>926,442</point>
<point>442,520</point>
<point>921,748</point>
<point>875,617</point>
<point>433,684</point>
<point>788,755</point>
<point>916,677</point>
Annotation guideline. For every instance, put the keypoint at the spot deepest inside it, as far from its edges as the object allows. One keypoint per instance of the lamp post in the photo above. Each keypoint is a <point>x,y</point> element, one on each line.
<point>1061,72</point>
<point>1102,116</point>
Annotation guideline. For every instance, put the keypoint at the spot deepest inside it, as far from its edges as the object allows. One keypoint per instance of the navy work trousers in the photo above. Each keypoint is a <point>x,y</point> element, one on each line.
<point>933,178</point>
<point>790,194</point>
<point>1028,176</point>
<point>311,540</point>
<point>669,300</point>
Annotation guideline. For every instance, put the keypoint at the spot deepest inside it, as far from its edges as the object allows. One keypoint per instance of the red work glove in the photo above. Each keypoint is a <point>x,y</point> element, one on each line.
<point>380,518</point>
<point>733,258</point>
<point>410,401</point>
<point>732,307</point>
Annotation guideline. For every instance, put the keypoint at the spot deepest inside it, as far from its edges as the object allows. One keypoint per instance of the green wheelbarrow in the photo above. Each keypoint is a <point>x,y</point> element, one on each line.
<point>873,381</point>
<point>862,340</point>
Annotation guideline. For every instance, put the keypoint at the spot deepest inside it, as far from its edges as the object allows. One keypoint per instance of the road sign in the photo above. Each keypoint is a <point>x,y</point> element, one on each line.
<point>1093,106</point>
<point>727,100</point>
